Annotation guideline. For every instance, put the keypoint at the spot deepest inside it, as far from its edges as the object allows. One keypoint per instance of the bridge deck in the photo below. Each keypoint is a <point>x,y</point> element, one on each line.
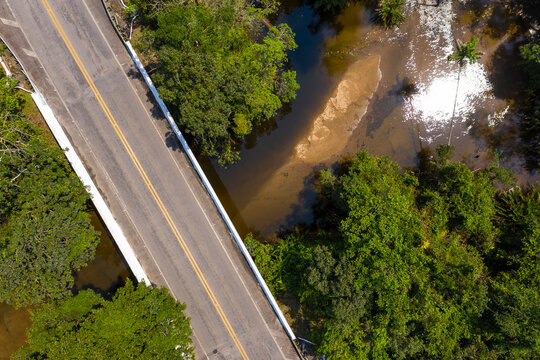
<point>152,190</point>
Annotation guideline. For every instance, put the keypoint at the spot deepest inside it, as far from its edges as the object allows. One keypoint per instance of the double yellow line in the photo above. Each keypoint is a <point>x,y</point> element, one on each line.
<point>146,180</point>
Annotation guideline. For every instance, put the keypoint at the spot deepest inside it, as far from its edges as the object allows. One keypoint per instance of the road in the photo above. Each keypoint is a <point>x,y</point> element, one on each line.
<point>76,60</point>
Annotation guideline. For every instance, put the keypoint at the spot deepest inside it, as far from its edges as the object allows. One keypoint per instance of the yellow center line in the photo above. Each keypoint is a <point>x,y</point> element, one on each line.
<point>146,180</point>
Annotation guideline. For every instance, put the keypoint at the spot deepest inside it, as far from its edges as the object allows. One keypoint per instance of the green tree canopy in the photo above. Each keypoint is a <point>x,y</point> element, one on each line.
<point>530,124</point>
<point>218,82</point>
<point>514,311</point>
<point>459,199</point>
<point>431,264</point>
<point>45,231</point>
<point>390,12</point>
<point>141,322</point>
<point>466,52</point>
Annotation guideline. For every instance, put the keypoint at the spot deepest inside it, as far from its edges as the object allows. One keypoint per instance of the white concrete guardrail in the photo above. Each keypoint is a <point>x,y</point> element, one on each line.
<point>4,66</point>
<point>211,191</point>
<point>84,176</point>
<point>97,199</point>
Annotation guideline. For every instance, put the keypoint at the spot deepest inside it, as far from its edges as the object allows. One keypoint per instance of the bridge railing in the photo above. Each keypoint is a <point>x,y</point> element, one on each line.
<point>76,163</point>
<point>211,191</point>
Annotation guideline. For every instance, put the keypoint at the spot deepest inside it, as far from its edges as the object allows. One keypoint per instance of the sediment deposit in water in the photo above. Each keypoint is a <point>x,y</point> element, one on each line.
<point>323,144</point>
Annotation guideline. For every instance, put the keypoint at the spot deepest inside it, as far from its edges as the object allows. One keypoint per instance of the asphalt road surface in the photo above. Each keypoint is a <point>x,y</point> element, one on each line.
<point>76,60</point>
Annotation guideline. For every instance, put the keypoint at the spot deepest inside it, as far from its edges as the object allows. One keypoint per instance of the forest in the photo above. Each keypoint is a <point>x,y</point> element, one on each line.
<point>436,263</point>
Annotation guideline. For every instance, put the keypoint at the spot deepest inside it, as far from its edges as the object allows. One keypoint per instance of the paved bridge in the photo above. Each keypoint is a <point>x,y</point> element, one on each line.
<point>74,58</point>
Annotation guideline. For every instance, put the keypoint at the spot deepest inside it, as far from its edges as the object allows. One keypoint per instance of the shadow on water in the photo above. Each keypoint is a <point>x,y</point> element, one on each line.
<point>508,79</point>
<point>265,128</point>
<point>384,106</point>
<point>300,212</point>
<point>108,271</point>
<point>224,196</point>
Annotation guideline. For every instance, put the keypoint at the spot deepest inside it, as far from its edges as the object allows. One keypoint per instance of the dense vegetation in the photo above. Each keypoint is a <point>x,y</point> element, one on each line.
<point>45,230</point>
<point>434,264</point>
<point>529,10</point>
<point>215,78</point>
<point>138,323</point>
<point>46,235</point>
<point>390,12</point>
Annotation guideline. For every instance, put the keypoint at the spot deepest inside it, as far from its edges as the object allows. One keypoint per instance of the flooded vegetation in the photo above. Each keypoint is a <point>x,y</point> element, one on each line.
<point>104,274</point>
<point>408,109</point>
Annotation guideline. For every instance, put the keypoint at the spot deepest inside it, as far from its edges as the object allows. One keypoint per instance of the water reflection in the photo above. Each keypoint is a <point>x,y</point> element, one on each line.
<point>107,271</point>
<point>411,108</point>
<point>434,101</point>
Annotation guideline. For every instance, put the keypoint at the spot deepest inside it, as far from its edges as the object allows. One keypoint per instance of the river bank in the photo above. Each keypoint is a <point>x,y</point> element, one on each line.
<point>410,109</point>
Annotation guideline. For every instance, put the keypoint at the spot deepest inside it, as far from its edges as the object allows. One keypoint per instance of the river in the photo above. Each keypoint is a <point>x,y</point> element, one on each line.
<point>387,91</point>
<point>396,89</point>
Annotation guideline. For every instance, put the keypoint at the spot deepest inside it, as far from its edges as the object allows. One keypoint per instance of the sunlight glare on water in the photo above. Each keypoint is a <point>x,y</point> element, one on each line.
<point>433,103</point>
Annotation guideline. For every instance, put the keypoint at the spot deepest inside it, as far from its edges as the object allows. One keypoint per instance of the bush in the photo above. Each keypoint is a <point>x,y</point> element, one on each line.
<point>389,12</point>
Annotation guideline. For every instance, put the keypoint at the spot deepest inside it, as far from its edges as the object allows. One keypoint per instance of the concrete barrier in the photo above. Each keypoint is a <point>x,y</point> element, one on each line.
<point>77,165</point>
<point>97,199</point>
<point>211,191</point>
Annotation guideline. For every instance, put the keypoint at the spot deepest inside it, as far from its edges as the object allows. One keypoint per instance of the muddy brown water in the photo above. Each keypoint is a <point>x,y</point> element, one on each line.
<point>356,94</point>
<point>271,188</point>
<point>104,274</point>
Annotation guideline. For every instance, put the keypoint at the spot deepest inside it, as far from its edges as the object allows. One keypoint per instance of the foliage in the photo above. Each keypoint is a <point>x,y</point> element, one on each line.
<point>269,258</point>
<point>461,200</point>
<point>390,12</point>
<point>514,311</point>
<point>435,264</point>
<point>216,80</point>
<point>45,231</point>
<point>330,6</point>
<point>518,218</point>
<point>139,322</point>
<point>466,51</point>
<point>530,126</point>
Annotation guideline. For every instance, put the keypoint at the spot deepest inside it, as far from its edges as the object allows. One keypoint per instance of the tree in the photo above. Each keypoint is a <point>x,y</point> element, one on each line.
<point>465,52</point>
<point>45,230</point>
<point>530,124</point>
<point>142,322</point>
<point>514,311</point>
<point>389,12</point>
<point>391,282</point>
<point>216,80</point>
<point>459,200</point>
<point>434,263</point>
<point>270,259</point>
<point>330,6</point>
